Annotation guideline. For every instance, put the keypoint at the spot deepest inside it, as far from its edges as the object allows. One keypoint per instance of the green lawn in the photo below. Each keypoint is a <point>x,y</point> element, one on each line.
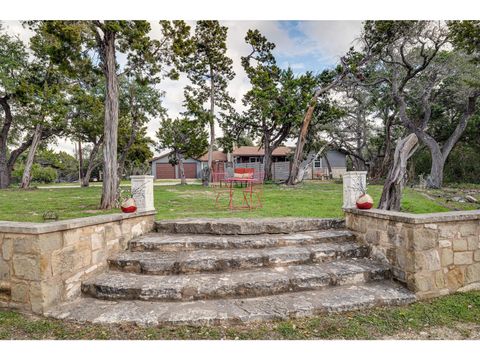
<point>315,199</point>
<point>453,316</point>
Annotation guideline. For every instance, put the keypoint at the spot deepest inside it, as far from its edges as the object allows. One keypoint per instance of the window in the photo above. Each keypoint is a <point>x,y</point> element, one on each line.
<point>318,163</point>
<point>253,159</point>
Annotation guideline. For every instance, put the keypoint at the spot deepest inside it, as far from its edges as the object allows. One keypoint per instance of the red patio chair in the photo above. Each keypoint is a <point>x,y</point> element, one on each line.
<point>255,190</point>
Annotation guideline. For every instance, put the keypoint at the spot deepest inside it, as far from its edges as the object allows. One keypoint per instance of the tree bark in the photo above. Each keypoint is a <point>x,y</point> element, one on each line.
<point>212,125</point>
<point>4,174</point>
<point>183,180</point>
<point>91,163</point>
<point>396,178</point>
<point>80,162</point>
<point>267,159</point>
<point>27,172</point>
<point>110,166</point>
<point>301,172</point>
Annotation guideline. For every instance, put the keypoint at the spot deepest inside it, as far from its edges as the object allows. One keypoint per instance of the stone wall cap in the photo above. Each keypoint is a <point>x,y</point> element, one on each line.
<point>417,218</point>
<point>17,227</point>
<point>140,176</point>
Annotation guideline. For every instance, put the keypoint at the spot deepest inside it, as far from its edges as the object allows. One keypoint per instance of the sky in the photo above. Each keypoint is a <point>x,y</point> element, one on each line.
<point>302,45</point>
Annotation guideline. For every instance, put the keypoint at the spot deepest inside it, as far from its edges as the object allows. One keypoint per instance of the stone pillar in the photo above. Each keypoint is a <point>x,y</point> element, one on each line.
<point>142,190</point>
<point>354,183</point>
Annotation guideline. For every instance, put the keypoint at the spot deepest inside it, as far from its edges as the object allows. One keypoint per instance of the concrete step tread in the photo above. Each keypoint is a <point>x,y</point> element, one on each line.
<point>246,283</point>
<point>225,311</point>
<point>175,242</point>
<point>194,261</point>
<point>238,226</point>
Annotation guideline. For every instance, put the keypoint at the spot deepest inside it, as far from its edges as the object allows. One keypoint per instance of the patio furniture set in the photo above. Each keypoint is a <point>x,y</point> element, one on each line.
<point>245,180</point>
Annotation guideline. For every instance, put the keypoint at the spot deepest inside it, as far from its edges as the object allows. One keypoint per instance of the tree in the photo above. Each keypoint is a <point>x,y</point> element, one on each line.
<point>419,68</point>
<point>209,70</point>
<point>86,115</point>
<point>18,99</point>
<point>185,137</point>
<point>328,80</point>
<point>77,41</point>
<point>46,87</point>
<point>140,101</point>
<point>275,102</point>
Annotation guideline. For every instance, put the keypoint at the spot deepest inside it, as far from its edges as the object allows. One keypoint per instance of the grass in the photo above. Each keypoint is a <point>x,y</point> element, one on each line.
<point>457,313</point>
<point>314,199</point>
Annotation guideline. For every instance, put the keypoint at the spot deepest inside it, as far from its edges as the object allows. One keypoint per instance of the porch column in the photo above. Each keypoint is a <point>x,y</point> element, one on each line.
<point>142,191</point>
<point>354,185</point>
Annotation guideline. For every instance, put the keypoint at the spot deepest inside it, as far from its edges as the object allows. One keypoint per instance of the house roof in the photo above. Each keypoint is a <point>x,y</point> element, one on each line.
<point>217,156</point>
<point>160,156</point>
<point>255,151</point>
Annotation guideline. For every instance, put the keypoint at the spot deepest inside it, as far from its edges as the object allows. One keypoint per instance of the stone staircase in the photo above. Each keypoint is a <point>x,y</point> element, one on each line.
<point>236,270</point>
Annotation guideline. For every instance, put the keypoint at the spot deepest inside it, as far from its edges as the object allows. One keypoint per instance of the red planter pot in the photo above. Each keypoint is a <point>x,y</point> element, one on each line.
<point>129,206</point>
<point>365,202</point>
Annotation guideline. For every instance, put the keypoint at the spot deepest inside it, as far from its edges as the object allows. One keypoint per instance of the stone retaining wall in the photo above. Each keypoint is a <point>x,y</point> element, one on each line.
<point>434,254</point>
<point>43,264</point>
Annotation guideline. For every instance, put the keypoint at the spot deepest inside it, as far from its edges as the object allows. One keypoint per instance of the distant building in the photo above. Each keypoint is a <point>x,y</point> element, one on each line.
<point>252,157</point>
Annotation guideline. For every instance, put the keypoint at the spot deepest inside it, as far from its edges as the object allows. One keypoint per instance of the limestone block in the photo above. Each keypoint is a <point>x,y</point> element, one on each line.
<point>99,256</point>
<point>23,243</point>
<point>98,241</point>
<point>476,255</point>
<point>445,243</point>
<point>425,239</point>
<point>68,260</point>
<point>423,282</point>
<point>26,266</point>
<point>431,226</point>
<point>4,270</point>
<point>7,249</point>
<point>472,274</point>
<point>468,228</point>
<point>20,292</point>
<point>463,258</point>
<point>472,242</point>
<point>447,231</point>
<point>112,231</point>
<point>460,245</point>
<point>446,256</point>
<point>427,260</point>
<point>455,278</point>
<point>50,241</point>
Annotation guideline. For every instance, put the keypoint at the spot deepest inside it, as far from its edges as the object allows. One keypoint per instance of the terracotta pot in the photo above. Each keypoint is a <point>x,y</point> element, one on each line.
<point>365,202</point>
<point>128,206</point>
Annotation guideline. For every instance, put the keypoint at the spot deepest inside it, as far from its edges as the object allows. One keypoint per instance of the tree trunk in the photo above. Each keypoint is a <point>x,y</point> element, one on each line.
<point>303,169</point>
<point>396,178</point>
<point>80,162</point>
<point>329,167</point>
<point>123,156</point>
<point>110,166</point>
<point>297,158</point>
<point>435,179</point>
<point>27,172</point>
<point>267,160</point>
<point>212,125</point>
<point>302,135</point>
<point>183,180</point>
<point>4,174</point>
<point>91,163</point>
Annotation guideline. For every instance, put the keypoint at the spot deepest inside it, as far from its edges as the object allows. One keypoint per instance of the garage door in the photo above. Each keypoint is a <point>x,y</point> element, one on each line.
<point>165,171</point>
<point>190,171</point>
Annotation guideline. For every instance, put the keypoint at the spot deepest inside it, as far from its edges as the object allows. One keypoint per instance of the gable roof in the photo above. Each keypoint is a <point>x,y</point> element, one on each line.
<point>216,155</point>
<point>255,151</point>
